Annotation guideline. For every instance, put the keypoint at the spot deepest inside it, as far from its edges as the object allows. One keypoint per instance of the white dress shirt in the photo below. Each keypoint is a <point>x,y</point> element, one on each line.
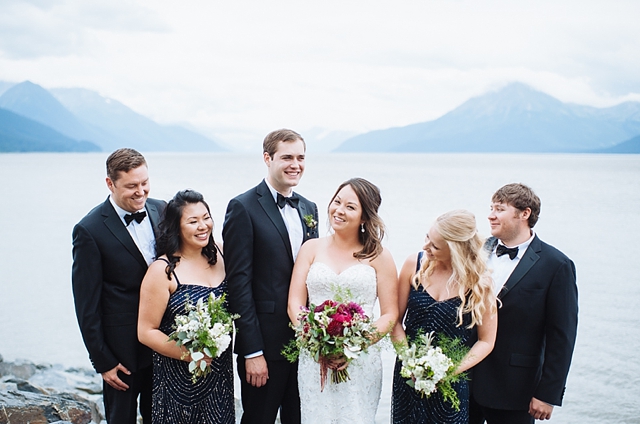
<point>503,266</point>
<point>141,233</point>
<point>291,219</point>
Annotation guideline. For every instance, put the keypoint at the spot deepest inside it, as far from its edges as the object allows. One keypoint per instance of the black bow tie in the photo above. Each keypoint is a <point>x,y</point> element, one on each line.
<point>511,251</point>
<point>138,216</point>
<point>292,201</point>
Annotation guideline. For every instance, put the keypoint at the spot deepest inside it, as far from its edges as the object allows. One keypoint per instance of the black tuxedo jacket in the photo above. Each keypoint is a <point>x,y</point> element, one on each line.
<point>537,325</point>
<point>108,269</point>
<point>259,262</point>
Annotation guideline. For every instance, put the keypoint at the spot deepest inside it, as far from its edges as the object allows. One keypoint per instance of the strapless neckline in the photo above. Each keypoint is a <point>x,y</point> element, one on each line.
<point>344,270</point>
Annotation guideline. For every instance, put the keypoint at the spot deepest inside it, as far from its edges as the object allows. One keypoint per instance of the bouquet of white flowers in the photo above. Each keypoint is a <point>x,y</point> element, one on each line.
<point>429,368</point>
<point>204,330</point>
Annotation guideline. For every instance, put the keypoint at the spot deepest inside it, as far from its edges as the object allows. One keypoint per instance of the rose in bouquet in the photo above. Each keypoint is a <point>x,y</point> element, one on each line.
<point>429,368</point>
<point>329,331</point>
<point>204,330</point>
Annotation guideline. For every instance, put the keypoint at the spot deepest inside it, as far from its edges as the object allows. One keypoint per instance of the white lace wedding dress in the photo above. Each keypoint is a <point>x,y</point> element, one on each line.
<point>356,400</point>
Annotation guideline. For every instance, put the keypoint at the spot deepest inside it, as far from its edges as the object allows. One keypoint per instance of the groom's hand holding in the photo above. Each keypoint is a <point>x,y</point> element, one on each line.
<point>257,371</point>
<point>112,379</point>
<point>540,410</point>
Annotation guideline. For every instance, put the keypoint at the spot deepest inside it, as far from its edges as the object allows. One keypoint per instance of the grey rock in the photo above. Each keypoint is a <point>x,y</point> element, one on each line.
<point>25,386</point>
<point>25,407</point>
<point>20,369</point>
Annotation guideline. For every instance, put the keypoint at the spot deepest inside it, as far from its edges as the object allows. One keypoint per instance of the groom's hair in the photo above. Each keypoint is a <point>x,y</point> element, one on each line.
<point>124,160</point>
<point>270,143</point>
<point>520,197</point>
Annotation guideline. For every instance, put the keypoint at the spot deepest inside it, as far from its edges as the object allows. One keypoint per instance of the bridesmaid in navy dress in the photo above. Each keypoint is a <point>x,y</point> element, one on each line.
<point>446,289</point>
<point>190,266</point>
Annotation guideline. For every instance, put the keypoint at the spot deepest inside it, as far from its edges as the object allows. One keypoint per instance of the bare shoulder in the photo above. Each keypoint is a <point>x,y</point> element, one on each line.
<point>312,245</point>
<point>157,270</point>
<point>384,261</point>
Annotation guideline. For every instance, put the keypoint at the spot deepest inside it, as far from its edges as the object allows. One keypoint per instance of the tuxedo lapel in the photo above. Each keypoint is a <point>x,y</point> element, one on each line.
<point>154,217</point>
<point>271,209</point>
<point>529,259</point>
<point>302,212</point>
<point>117,228</point>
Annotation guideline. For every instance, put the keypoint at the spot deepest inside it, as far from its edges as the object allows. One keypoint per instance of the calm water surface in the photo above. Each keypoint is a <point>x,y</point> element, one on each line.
<point>590,211</point>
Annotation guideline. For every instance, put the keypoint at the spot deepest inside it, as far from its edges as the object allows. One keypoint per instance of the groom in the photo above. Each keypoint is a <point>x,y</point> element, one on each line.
<point>263,231</point>
<point>524,376</point>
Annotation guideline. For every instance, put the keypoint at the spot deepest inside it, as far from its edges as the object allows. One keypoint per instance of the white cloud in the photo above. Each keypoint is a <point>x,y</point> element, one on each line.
<point>243,68</point>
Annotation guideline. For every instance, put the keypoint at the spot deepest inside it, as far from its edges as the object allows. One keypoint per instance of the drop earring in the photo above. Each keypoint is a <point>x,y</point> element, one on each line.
<point>362,227</point>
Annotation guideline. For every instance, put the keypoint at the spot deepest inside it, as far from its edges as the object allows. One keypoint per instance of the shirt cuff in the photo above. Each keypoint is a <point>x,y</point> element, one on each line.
<point>254,355</point>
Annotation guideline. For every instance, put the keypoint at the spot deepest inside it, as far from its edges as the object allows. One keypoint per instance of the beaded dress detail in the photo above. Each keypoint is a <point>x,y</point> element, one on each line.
<point>176,400</point>
<point>425,314</point>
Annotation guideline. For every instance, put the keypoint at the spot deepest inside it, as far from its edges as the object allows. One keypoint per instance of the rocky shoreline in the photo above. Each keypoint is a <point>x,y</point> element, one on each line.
<point>45,393</point>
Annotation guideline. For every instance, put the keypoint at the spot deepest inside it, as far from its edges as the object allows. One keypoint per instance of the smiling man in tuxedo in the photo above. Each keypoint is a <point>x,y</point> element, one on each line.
<point>112,248</point>
<point>263,231</point>
<point>525,374</point>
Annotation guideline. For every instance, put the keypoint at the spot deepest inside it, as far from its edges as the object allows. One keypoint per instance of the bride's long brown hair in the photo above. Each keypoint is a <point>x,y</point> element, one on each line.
<point>370,199</point>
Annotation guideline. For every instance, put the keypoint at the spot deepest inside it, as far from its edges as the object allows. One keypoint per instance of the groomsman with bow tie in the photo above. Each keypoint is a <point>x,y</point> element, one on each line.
<point>263,231</point>
<point>112,247</point>
<point>525,374</point>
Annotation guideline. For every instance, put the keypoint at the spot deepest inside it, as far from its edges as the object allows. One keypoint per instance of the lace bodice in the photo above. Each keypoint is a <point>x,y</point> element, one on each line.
<point>359,281</point>
<point>355,401</point>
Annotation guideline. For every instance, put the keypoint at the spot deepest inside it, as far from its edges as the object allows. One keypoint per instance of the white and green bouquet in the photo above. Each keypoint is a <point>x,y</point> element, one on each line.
<point>204,330</point>
<point>429,368</point>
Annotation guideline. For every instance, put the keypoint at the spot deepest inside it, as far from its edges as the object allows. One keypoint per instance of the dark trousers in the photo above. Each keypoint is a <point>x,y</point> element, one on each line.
<point>261,404</point>
<point>479,414</point>
<point>121,407</point>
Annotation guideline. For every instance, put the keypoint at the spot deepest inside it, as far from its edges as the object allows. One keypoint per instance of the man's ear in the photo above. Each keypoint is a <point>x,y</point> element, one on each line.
<point>110,184</point>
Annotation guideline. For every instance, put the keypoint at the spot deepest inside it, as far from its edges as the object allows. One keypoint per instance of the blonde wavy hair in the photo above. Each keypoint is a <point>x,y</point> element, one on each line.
<point>468,260</point>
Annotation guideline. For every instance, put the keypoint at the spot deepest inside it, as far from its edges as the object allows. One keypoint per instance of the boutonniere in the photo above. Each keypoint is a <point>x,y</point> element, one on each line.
<point>310,222</point>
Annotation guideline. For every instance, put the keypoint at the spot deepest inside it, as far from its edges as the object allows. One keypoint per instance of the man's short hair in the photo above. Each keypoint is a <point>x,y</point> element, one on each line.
<point>520,197</point>
<point>123,160</point>
<point>270,143</point>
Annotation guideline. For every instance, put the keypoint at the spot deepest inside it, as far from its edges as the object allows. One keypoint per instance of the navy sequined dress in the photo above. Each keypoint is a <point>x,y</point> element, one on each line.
<point>176,400</point>
<point>425,314</point>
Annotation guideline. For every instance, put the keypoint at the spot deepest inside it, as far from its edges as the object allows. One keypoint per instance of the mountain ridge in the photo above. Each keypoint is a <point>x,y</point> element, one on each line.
<point>516,118</point>
<point>81,114</point>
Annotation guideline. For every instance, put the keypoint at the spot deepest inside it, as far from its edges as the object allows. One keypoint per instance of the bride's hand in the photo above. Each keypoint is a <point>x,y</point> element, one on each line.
<point>337,362</point>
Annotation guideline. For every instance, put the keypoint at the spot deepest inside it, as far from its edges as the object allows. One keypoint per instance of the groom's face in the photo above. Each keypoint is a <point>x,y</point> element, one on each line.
<point>131,189</point>
<point>286,166</point>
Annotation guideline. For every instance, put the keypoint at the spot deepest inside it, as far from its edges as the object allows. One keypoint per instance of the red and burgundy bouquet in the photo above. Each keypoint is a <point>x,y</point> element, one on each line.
<point>331,330</point>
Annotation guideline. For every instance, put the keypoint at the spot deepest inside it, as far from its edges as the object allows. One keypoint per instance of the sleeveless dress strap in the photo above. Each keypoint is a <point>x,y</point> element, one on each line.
<point>219,251</point>
<point>173,272</point>
<point>419,260</point>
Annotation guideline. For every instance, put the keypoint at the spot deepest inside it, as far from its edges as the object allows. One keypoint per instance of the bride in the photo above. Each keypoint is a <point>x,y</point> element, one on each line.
<point>350,263</point>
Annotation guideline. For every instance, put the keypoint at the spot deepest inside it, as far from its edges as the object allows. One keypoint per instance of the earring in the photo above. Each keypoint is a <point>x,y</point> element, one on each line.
<point>362,227</point>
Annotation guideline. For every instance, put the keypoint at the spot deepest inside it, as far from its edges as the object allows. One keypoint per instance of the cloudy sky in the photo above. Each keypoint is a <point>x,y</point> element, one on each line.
<point>239,69</point>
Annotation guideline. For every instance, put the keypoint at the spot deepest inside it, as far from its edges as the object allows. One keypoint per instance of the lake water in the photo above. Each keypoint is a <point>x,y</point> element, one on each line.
<point>590,211</point>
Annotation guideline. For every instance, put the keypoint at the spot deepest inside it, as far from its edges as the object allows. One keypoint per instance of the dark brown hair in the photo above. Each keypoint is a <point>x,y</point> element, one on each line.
<point>370,200</point>
<point>270,143</point>
<point>169,241</point>
<point>520,197</point>
<point>123,160</point>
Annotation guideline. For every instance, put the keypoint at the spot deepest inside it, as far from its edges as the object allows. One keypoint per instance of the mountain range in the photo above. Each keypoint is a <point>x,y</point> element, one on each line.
<point>516,118</point>
<point>83,115</point>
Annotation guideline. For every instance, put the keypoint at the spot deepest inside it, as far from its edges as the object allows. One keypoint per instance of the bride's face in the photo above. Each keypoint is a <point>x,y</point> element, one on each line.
<point>345,212</point>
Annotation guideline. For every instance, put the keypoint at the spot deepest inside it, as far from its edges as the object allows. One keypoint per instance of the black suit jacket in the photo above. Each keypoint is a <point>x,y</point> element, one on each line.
<point>108,269</point>
<point>259,262</point>
<point>537,325</point>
